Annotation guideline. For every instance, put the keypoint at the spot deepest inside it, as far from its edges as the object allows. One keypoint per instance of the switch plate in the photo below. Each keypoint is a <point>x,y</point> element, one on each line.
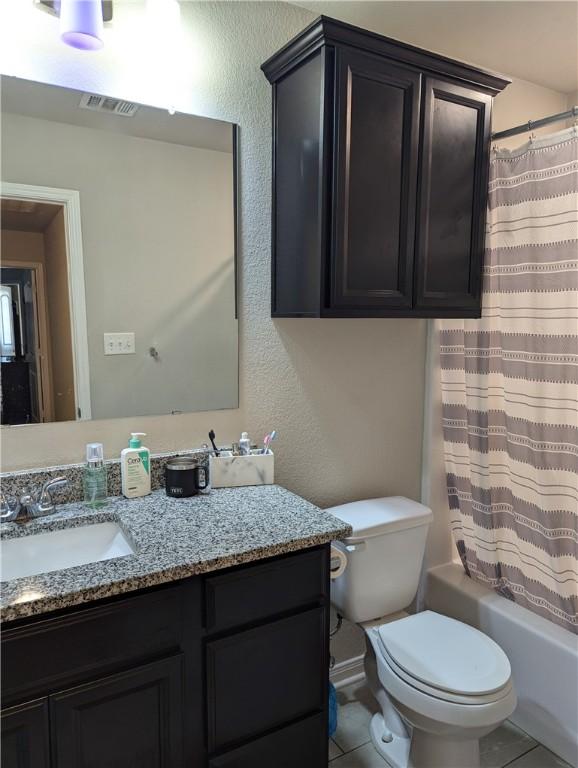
<point>119,344</point>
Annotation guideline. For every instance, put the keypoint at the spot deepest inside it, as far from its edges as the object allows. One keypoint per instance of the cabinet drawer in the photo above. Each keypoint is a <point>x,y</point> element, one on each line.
<point>281,668</point>
<point>52,653</point>
<point>302,744</point>
<point>257,592</point>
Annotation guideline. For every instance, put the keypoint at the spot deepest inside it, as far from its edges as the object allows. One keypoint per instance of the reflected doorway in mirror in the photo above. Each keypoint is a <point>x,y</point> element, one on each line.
<point>46,376</point>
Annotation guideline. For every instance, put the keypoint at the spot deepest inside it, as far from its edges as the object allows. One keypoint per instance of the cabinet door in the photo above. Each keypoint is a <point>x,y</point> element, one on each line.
<point>301,745</point>
<point>452,199</point>
<point>376,134</point>
<point>266,677</point>
<point>25,735</point>
<point>129,720</point>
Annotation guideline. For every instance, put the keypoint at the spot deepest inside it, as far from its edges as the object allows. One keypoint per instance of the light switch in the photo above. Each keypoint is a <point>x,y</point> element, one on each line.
<point>119,344</point>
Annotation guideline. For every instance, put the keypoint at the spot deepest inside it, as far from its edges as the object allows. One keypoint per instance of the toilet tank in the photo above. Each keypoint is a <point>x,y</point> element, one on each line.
<point>384,556</point>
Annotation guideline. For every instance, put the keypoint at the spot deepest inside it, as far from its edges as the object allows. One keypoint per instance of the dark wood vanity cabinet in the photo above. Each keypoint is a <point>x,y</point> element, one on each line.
<point>380,163</point>
<point>228,670</point>
<point>25,735</point>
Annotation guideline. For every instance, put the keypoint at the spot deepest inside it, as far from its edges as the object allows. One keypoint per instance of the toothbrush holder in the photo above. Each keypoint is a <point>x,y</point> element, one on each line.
<point>235,471</point>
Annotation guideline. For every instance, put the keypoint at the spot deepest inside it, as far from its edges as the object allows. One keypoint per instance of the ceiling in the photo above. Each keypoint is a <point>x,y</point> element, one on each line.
<point>535,41</point>
<point>26,215</point>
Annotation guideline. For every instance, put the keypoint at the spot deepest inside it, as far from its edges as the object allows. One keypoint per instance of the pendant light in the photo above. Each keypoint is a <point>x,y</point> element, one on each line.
<point>81,24</point>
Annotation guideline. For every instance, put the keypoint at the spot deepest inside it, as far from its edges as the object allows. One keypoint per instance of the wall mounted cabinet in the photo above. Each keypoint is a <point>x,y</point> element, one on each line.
<point>380,174</point>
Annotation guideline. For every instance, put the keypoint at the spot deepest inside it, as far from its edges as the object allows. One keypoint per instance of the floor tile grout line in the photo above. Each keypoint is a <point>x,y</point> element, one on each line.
<point>348,751</point>
<point>527,752</point>
<point>359,746</point>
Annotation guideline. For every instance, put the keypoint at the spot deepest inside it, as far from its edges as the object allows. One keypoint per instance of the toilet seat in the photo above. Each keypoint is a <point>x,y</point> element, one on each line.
<point>445,658</point>
<point>438,693</point>
<point>432,705</point>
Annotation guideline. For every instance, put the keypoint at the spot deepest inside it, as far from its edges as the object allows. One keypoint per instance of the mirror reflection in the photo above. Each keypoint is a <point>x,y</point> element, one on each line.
<point>117,293</point>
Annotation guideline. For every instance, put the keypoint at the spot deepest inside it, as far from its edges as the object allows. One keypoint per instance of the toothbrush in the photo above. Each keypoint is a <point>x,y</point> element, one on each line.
<point>268,440</point>
<point>212,439</point>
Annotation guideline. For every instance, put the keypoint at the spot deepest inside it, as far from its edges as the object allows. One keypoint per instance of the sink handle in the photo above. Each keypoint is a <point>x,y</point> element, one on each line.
<point>45,503</point>
<point>9,509</point>
<point>51,485</point>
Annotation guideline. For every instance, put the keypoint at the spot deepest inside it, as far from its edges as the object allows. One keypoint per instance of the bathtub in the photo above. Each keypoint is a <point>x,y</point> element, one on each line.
<point>543,656</point>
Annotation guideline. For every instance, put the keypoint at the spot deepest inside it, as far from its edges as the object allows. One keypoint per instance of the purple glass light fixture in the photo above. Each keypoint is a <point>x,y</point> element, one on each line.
<point>81,24</point>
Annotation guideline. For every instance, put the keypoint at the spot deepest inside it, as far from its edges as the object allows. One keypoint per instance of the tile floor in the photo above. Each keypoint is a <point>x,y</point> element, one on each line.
<point>350,746</point>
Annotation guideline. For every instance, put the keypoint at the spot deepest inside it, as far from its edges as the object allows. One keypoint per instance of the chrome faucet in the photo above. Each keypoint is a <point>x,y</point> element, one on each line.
<point>30,505</point>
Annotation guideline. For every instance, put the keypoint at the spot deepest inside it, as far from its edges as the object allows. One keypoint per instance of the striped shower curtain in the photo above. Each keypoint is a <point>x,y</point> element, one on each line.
<point>510,388</point>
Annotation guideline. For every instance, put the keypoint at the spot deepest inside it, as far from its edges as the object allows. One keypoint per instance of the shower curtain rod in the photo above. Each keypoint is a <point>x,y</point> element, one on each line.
<point>531,124</point>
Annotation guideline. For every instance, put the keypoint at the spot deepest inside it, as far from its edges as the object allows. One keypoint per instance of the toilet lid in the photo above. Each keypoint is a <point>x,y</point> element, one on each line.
<point>375,517</point>
<point>446,654</point>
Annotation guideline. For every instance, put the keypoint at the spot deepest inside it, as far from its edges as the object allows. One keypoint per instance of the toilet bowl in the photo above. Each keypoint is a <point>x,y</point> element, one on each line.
<point>448,683</point>
<point>441,685</point>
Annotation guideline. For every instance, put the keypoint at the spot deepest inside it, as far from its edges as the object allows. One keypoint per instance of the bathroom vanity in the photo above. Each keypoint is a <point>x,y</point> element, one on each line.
<point>207,647</point>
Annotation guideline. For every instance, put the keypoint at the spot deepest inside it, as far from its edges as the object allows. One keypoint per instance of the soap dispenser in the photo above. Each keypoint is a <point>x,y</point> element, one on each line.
<point>94,476</point>
<point>135,468</point>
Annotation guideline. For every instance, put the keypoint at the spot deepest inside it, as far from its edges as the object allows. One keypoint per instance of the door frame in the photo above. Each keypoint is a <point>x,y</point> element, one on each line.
<point>45,393</point>
<point>70,200</point>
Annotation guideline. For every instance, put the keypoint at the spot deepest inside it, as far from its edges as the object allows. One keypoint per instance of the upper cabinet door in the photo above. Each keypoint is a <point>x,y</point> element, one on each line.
<point>452,199</point>
<point>376,150</point>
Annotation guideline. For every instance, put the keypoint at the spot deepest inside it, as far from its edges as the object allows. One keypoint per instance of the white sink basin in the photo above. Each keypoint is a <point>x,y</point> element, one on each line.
<point>64,548</point>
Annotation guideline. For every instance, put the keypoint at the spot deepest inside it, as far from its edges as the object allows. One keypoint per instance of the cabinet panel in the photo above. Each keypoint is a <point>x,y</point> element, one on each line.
<point>303,745</point>
<point>25,735</point>
<point>453,195</point>
<point>256,592</point>
<point>377,123</point>
<point>265,677</point>
<point>129,720</point>
<point>299,186</point>
<point>52,653</point>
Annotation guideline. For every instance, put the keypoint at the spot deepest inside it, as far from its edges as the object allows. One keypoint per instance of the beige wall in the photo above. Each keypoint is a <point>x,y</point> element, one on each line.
<point>345,396</point>
<point>56,275</point>
<point>523,101</point>
<point>158,240</point>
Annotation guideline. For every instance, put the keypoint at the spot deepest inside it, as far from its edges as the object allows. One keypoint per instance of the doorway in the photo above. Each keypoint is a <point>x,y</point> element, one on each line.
<point>37,365</point>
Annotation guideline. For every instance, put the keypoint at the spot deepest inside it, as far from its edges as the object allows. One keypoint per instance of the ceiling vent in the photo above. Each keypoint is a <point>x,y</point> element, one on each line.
<point>106,104</point>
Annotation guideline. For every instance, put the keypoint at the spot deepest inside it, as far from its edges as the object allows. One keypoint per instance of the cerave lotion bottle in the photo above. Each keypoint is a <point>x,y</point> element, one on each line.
<point>135,468</point>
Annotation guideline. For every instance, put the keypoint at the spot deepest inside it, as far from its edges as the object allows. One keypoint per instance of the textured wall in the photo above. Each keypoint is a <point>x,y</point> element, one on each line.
<point>345,395</point>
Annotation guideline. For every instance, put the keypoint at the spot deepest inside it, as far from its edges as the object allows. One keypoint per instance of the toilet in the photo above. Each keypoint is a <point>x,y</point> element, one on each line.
<point>440,684</point>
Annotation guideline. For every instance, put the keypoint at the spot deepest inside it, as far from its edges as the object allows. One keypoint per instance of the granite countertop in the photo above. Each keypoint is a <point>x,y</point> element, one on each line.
<point>173,539</point>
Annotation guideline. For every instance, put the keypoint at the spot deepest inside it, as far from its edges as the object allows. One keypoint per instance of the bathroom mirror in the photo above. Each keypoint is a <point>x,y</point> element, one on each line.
<point>117,293</point>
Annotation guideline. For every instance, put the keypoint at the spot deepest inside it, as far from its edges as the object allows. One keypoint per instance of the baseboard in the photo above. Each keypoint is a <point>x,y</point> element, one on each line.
<point>347,672</point>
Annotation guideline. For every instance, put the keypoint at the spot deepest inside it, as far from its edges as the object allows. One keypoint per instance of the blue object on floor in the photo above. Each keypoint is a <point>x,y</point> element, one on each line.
<point>332,709</point>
